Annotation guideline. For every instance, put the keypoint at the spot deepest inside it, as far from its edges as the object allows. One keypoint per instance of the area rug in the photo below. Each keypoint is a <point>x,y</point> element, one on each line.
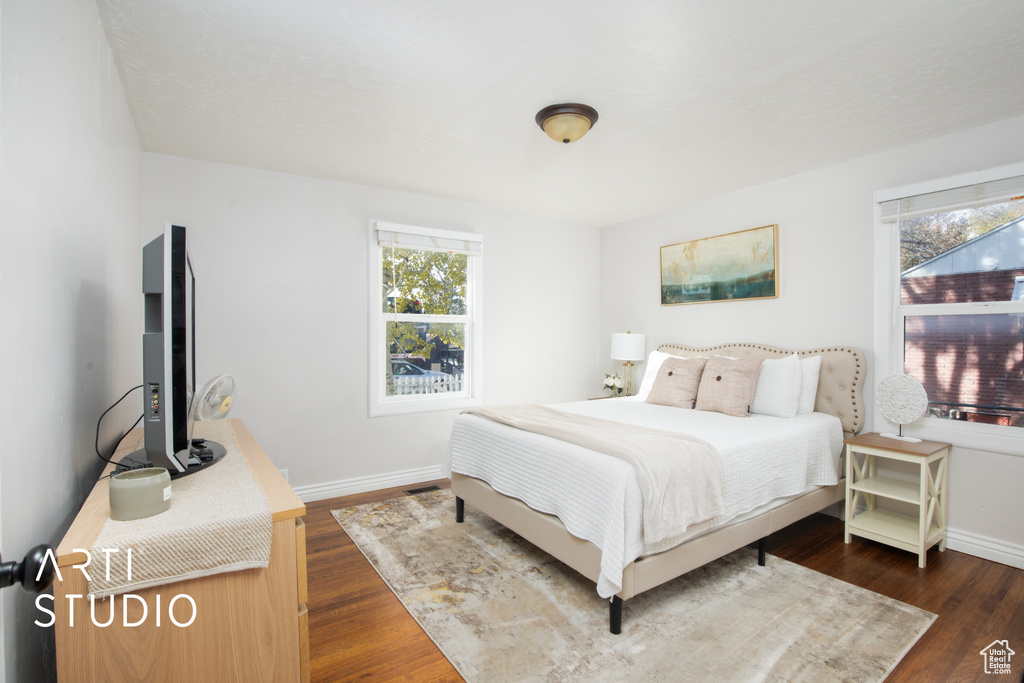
<point>502,610</point>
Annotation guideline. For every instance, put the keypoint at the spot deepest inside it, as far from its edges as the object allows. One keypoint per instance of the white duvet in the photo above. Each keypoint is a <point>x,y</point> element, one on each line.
<point>597,497</point>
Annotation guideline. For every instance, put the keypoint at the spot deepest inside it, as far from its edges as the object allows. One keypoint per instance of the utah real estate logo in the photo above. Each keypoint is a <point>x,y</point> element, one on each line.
<point>997,657</point>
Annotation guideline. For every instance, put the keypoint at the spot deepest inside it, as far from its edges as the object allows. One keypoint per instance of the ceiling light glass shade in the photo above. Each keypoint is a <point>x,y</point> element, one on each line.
<point>566,122</point>
<point>567,127</point>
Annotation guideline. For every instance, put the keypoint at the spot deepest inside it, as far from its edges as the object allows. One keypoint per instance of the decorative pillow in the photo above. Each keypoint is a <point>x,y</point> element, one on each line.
<point>778,387</point>
<point>654,361</point>
<point>676,382</point>
<point>727,386</point>
<point>809,370</point>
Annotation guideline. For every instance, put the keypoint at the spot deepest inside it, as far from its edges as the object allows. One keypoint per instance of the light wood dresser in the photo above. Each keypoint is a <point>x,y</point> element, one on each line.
<point>250,625</point>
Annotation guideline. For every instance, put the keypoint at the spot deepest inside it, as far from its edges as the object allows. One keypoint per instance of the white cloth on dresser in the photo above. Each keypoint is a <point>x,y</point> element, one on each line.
<point>219,521</point>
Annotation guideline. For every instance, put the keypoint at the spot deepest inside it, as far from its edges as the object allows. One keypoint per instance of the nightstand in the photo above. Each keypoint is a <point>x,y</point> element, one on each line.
<point>928,495</point>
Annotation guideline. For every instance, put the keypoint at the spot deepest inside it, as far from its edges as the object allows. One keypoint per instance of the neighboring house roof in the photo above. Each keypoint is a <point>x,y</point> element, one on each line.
<point>1001,248</point>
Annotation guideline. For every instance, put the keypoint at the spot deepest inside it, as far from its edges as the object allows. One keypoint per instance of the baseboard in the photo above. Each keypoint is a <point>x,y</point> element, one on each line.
<point>962,541</point>
<point>986,548</point>
<point>375,482</point>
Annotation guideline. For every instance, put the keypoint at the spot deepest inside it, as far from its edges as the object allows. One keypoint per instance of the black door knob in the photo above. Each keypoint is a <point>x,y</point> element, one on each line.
<point>34,573</point>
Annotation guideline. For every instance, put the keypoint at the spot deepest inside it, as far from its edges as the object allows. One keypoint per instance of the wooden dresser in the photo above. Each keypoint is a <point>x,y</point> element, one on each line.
<point>250,625</point>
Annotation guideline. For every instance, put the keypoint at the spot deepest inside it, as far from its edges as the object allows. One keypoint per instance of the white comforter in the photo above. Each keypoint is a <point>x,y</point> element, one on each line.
<point>597,497</point>
<point>667,465</point>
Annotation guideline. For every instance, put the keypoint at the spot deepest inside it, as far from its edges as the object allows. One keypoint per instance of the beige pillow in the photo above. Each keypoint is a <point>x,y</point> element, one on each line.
<point>728,385</point>
<point>676,382</point>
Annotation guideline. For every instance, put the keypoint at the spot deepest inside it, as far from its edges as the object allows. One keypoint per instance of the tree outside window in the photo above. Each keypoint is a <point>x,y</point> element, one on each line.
<point>424,296</point>
<point>425,335</point>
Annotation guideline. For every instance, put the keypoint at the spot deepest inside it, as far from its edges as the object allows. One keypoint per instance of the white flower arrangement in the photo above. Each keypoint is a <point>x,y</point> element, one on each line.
<point>614,384</point>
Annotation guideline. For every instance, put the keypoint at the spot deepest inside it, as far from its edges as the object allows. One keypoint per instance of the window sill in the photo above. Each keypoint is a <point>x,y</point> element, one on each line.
<point>970,435</point>
<point>421,405</point>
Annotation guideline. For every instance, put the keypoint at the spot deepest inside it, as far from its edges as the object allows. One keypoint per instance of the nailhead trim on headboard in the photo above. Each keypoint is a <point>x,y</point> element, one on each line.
<point>839,381</point>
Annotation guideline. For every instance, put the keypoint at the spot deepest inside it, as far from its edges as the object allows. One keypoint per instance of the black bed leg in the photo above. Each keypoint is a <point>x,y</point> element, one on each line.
<point>761,545</point>
<point>460,509</point>
<point>615,615</point>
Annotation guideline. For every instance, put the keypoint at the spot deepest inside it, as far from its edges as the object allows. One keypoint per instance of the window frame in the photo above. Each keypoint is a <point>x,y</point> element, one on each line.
<point>891,314</point>
<point>379,403</point>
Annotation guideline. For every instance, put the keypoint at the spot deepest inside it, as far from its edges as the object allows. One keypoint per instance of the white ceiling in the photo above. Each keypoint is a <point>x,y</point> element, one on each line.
<point>438,97</point>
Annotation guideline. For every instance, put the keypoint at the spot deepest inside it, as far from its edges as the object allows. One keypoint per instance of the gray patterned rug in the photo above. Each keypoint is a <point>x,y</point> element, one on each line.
<point>501,610</point>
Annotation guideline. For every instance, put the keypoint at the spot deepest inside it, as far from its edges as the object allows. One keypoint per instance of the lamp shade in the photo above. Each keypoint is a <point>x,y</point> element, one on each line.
<point>628,346</point>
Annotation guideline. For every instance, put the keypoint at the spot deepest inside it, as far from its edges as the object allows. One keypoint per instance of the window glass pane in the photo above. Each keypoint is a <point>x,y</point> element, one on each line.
<point>426,358</point>
<point>972,255</point>
<point>971,366</point>
<point>423,282</point>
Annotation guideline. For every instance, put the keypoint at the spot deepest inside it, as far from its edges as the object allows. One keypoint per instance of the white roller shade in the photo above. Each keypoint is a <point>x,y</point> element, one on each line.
<point>411,237</point>
<point>954,199</point>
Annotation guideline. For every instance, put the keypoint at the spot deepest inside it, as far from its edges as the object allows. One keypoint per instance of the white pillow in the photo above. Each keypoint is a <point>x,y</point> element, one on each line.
<point>809,369</point>
<point>654,361</point>
<point>778,387</point>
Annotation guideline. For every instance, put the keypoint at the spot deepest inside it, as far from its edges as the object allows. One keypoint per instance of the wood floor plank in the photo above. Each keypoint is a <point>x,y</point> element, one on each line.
<point>976,600</point>
<point>359,630</point>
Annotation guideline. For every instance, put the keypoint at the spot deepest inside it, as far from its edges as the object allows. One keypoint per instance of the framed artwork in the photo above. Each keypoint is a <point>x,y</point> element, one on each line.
<point>739,265</point>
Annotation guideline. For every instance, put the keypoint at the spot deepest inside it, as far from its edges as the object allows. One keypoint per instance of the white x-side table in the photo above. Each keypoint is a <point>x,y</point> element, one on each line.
<point>928,494</point>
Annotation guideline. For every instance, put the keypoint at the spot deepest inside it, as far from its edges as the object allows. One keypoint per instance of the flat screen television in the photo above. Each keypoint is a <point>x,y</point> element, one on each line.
<point>168,360</point>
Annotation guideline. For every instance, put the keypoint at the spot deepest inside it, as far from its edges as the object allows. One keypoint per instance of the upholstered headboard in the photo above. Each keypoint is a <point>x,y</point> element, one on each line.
<point>839,381</point>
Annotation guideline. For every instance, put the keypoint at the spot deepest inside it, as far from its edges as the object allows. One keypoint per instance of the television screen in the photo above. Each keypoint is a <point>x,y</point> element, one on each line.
<point>168,359</point>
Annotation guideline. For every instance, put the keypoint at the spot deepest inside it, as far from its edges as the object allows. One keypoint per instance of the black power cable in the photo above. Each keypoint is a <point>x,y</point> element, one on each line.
<point>118,444</point>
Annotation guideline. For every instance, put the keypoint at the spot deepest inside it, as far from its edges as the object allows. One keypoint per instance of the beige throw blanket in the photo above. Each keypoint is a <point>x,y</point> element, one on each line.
<point>679,475</point>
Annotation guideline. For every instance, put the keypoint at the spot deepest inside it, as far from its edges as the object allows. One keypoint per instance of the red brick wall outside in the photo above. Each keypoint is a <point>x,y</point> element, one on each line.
<point>993,285</point>
<point>973,359</point>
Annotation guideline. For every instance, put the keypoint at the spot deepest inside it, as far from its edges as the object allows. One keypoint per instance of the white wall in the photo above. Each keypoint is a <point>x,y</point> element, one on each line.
<point>70,216</point>
<point>827,265</point>
<point>281,282</point>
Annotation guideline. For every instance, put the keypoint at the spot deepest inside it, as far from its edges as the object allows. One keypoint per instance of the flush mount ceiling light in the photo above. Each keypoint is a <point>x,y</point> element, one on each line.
<point>566,122</point>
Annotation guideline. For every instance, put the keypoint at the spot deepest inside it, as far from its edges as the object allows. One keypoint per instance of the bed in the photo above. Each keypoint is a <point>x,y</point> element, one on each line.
<point>568,500</point>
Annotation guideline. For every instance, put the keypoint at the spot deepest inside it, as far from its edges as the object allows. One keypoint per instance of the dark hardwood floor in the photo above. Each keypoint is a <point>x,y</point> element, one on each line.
<point>360,631</point>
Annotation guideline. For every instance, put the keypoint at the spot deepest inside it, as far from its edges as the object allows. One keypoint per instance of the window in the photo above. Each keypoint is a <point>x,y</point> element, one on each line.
<point>958,304</point>
<point>424,319</point>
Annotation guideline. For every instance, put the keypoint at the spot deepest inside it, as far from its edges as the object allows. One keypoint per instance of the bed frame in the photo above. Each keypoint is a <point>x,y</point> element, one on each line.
<point>839,394</point>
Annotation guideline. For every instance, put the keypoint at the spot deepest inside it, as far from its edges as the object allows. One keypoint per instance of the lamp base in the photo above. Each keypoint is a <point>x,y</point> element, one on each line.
<point>627,370</point>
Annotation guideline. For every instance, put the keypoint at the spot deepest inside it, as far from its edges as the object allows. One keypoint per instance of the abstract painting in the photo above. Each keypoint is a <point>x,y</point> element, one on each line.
<point>739,265</point>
